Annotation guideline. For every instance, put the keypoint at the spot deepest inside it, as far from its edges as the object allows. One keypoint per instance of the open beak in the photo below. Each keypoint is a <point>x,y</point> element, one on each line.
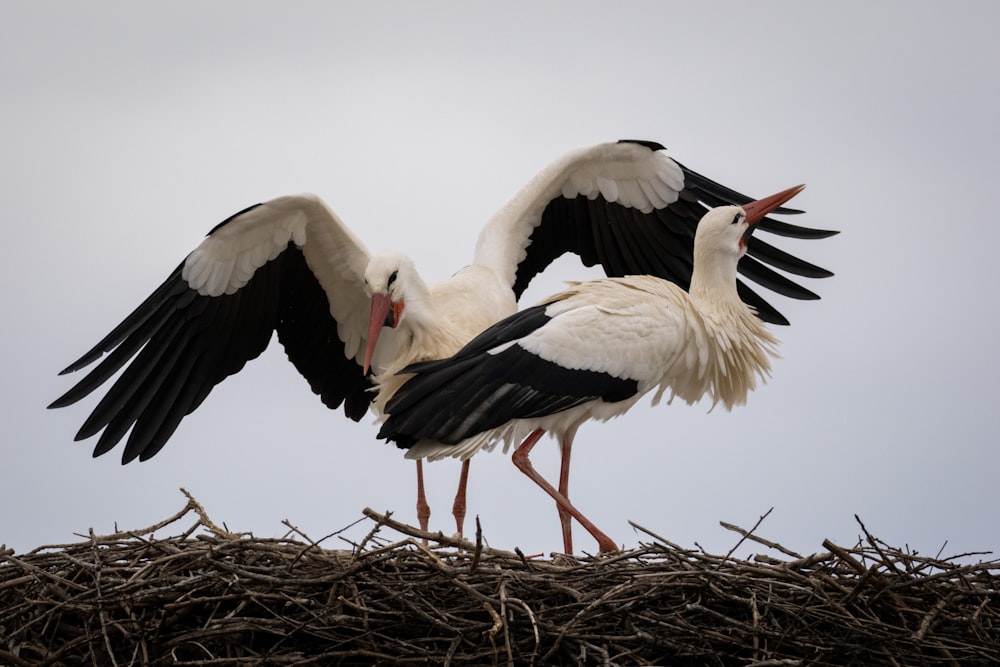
<point>757,210</point>
<point>384,314</point>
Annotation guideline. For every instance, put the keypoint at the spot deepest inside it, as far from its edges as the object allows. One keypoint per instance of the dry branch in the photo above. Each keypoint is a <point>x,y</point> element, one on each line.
<point>211,597</point>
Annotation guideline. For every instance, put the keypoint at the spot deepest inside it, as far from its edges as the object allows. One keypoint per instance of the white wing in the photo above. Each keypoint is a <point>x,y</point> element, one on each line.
<point>288,266</point>
<point>632,209</point>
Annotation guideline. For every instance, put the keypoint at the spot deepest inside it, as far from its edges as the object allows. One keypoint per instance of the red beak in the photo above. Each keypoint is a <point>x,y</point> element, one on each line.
<point>757,210</point>
<point>381,303</point>
<point>385,313</point>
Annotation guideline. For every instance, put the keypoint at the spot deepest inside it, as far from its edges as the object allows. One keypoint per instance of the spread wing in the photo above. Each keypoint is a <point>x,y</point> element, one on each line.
<point>288,266</point>
<point>632,209</point>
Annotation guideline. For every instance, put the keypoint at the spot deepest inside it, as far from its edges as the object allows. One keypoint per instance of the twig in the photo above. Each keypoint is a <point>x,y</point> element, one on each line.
<point>207,599</point>
<point>208,523</point>
<point>844,557</point>
<point>101,616</point>
<point>437,537</point>
<point>748,535</point>
<point>503,620</point>
<point>478,552</point>
<point>887,562</point>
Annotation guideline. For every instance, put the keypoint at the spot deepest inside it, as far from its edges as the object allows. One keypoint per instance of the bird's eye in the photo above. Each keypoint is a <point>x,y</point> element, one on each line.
<point>392,278</point>
<point>736,218</point>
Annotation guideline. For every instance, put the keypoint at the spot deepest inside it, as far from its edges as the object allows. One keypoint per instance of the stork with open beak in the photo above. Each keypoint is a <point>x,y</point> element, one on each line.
<point>590,352</point>
<point>290,266</point>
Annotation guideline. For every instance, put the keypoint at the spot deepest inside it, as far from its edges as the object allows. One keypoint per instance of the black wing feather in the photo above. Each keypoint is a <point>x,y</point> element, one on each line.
<point>475,390</point>
<point>622,240</point>
<point>772,280</point>
<point>178,345</point>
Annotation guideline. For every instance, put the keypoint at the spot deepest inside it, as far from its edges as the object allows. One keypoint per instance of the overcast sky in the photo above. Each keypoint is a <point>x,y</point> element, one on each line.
<point>128,130</point>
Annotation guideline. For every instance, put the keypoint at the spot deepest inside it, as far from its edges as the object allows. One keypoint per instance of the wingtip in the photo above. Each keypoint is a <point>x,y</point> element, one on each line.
<point>67,399</point>
<point>75,366</point>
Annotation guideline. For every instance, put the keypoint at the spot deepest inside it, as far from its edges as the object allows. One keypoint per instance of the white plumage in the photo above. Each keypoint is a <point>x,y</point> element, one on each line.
<point>591,352</point>
<point>291,266</point>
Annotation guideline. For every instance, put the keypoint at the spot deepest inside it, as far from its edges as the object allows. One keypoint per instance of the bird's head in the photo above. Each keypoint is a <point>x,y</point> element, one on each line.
<point>388,279</point>
<point>725,229</point>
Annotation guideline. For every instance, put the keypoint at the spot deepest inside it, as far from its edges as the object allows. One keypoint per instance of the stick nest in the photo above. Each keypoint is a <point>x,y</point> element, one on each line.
<point>210,597</point>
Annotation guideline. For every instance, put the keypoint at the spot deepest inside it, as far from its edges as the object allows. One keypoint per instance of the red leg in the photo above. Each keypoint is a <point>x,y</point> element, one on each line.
<point>458,509</point>
<point>423,509</point>
<point>521,460</point>
<point>565,518</point>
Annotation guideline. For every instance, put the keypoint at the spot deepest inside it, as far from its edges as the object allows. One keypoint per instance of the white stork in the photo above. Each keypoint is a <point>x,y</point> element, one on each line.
<point>291,266</point>
<point>591,352</point>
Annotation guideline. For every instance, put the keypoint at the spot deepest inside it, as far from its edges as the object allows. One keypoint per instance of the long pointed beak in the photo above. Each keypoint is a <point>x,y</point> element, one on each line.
<point>757,210</point>
<point>381,305</point>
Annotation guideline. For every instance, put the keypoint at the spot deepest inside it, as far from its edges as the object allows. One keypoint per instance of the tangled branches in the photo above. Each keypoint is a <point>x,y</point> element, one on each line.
<point>217,598</point>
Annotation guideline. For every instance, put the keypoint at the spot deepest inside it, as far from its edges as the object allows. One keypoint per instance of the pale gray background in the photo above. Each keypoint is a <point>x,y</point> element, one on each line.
<point>129,130</point>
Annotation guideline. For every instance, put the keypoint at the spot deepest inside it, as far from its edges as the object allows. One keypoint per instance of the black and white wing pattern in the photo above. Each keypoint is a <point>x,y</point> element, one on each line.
<point>288,266</point>
<point>537,363</point>
<point>632,209</point>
